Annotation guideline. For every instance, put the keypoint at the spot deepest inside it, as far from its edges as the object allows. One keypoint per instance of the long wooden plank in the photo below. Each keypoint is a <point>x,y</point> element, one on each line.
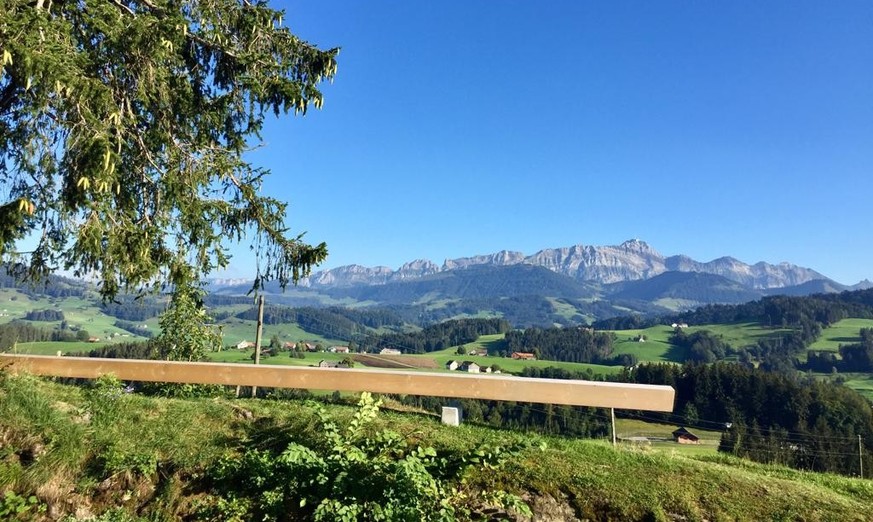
<point>496,387</point>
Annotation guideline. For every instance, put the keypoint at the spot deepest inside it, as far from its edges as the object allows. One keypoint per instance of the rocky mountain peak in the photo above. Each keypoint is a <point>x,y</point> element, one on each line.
<point>636,245</point>
<point>502,258</point>
<point>414,270</point>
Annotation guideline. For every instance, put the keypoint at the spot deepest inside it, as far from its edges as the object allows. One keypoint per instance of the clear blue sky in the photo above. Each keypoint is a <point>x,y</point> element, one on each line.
<point>457,128</point>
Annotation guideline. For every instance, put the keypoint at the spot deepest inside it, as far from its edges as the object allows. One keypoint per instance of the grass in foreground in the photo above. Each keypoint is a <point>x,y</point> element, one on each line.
<point>82,452</point>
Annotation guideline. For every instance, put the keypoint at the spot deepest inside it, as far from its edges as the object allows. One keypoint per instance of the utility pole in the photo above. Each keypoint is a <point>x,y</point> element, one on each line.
<point>258,337</point>
<point>860,456</point>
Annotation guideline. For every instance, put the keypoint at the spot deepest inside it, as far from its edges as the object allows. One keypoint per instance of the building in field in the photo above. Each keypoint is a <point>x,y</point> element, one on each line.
<point>469,367</point>
<point>333,364</point>
<point>683,436</point>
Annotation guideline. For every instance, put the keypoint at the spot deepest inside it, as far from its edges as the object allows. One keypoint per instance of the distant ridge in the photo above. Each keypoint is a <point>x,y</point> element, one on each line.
<point>696,288</point>
<point>632,260</point>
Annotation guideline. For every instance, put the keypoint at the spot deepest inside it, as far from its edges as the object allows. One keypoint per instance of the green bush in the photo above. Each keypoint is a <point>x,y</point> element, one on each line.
<point>16,507</point>
<point>356,473</point>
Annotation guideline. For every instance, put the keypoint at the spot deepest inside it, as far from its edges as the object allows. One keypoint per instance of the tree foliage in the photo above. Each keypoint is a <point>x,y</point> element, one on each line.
<point>186,332</point>
<point>123,126</point>
<point>578,344</point>
<point>437,336</point>
<point>47,315</point>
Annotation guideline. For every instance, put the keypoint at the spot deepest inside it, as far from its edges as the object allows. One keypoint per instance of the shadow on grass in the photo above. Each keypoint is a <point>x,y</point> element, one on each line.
<point>845,339</point>
<point>677,354</point>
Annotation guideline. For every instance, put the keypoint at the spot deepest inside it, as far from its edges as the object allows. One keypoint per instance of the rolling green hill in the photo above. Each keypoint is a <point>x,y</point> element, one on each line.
<point>690,289</point>
<point>841,332</point>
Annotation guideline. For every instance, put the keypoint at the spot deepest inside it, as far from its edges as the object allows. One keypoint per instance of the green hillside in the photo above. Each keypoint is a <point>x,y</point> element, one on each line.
<point>841,332</point>
<point>83,453</point>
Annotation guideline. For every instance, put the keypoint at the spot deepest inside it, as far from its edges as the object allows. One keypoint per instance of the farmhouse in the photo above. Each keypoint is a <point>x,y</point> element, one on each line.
<point>469,367</point>
<point>524,356</point>
<point>478,351</point>
<point>244,345</point>
<point>683,436</point>
<point>338,349</point>
<point>332,364</point>
<point>452,365</point>
<point>390,351</point>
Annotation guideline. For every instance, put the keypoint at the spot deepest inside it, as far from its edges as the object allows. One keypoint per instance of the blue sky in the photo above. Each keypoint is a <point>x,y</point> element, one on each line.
<point>461,128</point>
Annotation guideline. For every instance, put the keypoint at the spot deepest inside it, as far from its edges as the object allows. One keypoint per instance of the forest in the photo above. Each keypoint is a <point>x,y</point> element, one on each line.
<point>44,315</point>
<point>576,344</point>
<point>436,337</point>
<point>335,322</point>
<point>794,420</point>
<point>21,332</point>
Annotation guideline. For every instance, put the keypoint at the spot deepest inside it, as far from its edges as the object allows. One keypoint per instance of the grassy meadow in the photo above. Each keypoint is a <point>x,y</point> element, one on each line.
<point>861,383</point>
<point>78,312</point>
<point>661,437</point>
<point>841,332</point>
<point>656,347</point>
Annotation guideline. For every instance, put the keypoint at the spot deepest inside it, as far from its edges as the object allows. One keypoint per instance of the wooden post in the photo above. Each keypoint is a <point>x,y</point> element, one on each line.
<point>612,414</point>
<point>258,337</point>
<point>860,456</point>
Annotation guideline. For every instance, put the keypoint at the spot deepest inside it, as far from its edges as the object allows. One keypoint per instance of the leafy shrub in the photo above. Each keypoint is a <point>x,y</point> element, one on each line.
<point>16,507</point>
<point>356,473</point>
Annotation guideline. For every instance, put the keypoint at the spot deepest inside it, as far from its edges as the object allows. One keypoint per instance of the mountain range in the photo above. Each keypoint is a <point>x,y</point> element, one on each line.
<point>630,261</point>
<point>568,285</point>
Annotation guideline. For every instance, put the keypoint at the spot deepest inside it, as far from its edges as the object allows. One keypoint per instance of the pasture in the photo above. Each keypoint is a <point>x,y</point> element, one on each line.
<point>232,355</point>
<point>656,347</point>
<point>841,332</point>
<point>861,383</point>
<point>52,348</point>
<point>740,335</point>
<point>660,437</point>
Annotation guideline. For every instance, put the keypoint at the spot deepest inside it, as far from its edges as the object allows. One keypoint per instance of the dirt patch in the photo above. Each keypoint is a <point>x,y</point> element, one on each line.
<point>395,361</point>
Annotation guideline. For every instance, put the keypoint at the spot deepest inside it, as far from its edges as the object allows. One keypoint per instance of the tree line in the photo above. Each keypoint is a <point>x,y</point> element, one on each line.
<point>47,315</point>
<point>436,337</point>
<point>334,322</point>
<point>701,346</point>
<point>553,419</point>
<point>129,308</point>
<point>792,420</point>
<point>575,344</point>
<point>778,311</point>
<point>134,328</point>
<point>51,286</point>
<point>855,357</point>
<point>21,332</point>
